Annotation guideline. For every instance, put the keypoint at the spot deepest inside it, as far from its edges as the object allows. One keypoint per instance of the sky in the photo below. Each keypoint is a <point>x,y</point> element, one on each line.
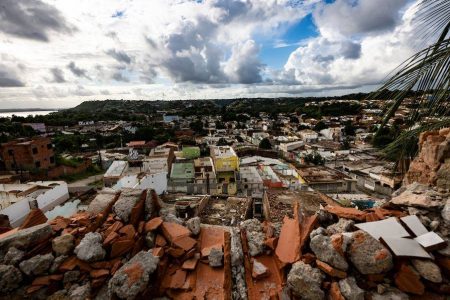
<point>58,53</point>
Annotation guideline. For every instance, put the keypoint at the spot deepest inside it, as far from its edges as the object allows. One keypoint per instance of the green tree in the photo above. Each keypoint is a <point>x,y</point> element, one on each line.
<point>319,126</point>
<point>314,158</point>
<point>265,144</point>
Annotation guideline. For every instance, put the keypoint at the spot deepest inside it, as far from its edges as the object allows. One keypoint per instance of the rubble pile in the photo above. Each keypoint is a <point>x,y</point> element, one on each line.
<point>125,251</point>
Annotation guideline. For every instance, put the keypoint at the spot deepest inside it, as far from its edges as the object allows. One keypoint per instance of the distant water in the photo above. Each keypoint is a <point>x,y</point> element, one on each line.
<point>25,113</point>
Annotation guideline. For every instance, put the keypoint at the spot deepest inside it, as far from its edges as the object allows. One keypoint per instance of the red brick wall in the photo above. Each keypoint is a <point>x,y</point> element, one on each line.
<point>28,154</point>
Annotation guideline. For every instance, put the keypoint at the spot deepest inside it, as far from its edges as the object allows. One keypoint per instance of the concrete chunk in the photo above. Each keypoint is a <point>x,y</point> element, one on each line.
<point>25,238</point>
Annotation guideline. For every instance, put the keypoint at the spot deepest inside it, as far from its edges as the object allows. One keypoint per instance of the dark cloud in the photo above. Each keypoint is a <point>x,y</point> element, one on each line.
<point>58,75</point>
<point>9,78</point>
<point>350,50</point>
<point>119,55</point>
<point>77,71</point>
<point>31,19</point>
<point>350,17</point>
<point>118,76</point>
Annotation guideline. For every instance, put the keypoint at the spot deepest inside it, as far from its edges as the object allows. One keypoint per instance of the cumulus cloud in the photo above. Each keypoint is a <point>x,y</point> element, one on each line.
<point>79,72</point>
<point>356,45</point>
<point>31,19</point>
<point>9,77</point>
<point>244,65</point>
<point>58,75</point>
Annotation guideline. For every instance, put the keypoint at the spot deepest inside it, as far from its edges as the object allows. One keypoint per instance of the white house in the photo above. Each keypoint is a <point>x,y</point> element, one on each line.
<point>17,200</point>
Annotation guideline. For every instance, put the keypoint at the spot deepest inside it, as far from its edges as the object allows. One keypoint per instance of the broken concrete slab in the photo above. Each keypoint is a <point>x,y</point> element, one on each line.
<point>132,278</point>
<point>255,236</point>
<point>10,278</point>
<point>37,265</point>
<point>331,252</point>
<point>127,200</point>
<point>350,290</point>
<point>13,256</point>
<point>215,257</point>
<point>343,225</point>
<point>23,239</point>
<point>90,248</point>
<point>63,244</point>
<point>368,255</point>
<point>305,281</point>
<point>193,225</point>
<point>427,269</point>
<point>101,201</point>
<point>418,195</point>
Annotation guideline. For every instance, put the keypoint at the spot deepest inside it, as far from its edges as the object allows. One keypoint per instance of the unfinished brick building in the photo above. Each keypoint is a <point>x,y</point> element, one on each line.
<point>28,154</point>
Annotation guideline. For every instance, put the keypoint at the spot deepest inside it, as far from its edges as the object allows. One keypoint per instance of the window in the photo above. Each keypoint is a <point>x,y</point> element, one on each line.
<point>52,159</point>
<point>37,164</point>
<point>49,146</point>
<point>11,152</point>
<point>35,150</point>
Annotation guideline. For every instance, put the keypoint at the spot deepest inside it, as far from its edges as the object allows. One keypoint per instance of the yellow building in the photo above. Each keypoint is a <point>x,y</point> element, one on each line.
<point>226,163</point>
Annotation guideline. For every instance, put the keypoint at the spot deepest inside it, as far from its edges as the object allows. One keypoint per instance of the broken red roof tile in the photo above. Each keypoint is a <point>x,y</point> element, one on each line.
<point>271,243</point>
<point>288,248</point>
<point>128,231</point>
<point>158,251</point>
<point>119,248</point>
<point>335,292</point>
<point>160,241</point>
<point>175,252</point>
<point>173,231</point>
<point>333,272</point>
<point>59,223</point>
<point>408,280</point>
<point>271,286</point>
<point>137,212</point>
<point>34,288</point>
<point>153,224</point>
<point>141,227</point>
<point>346,212</point>
<point>46,280</point>
<point>69,264</point>
<point>98,282</point>
<point>116,266</point>
<point>308,258</point>
<point>178,279</point>
<point>186,243</point>
<point>190,264</point>
<point>307,224</point>
<point>114,227</point>
<point>134,273</point>
<point>110,238</point>
<point>34,217</point>
<point>371,217</point>
<point>99,273</point>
